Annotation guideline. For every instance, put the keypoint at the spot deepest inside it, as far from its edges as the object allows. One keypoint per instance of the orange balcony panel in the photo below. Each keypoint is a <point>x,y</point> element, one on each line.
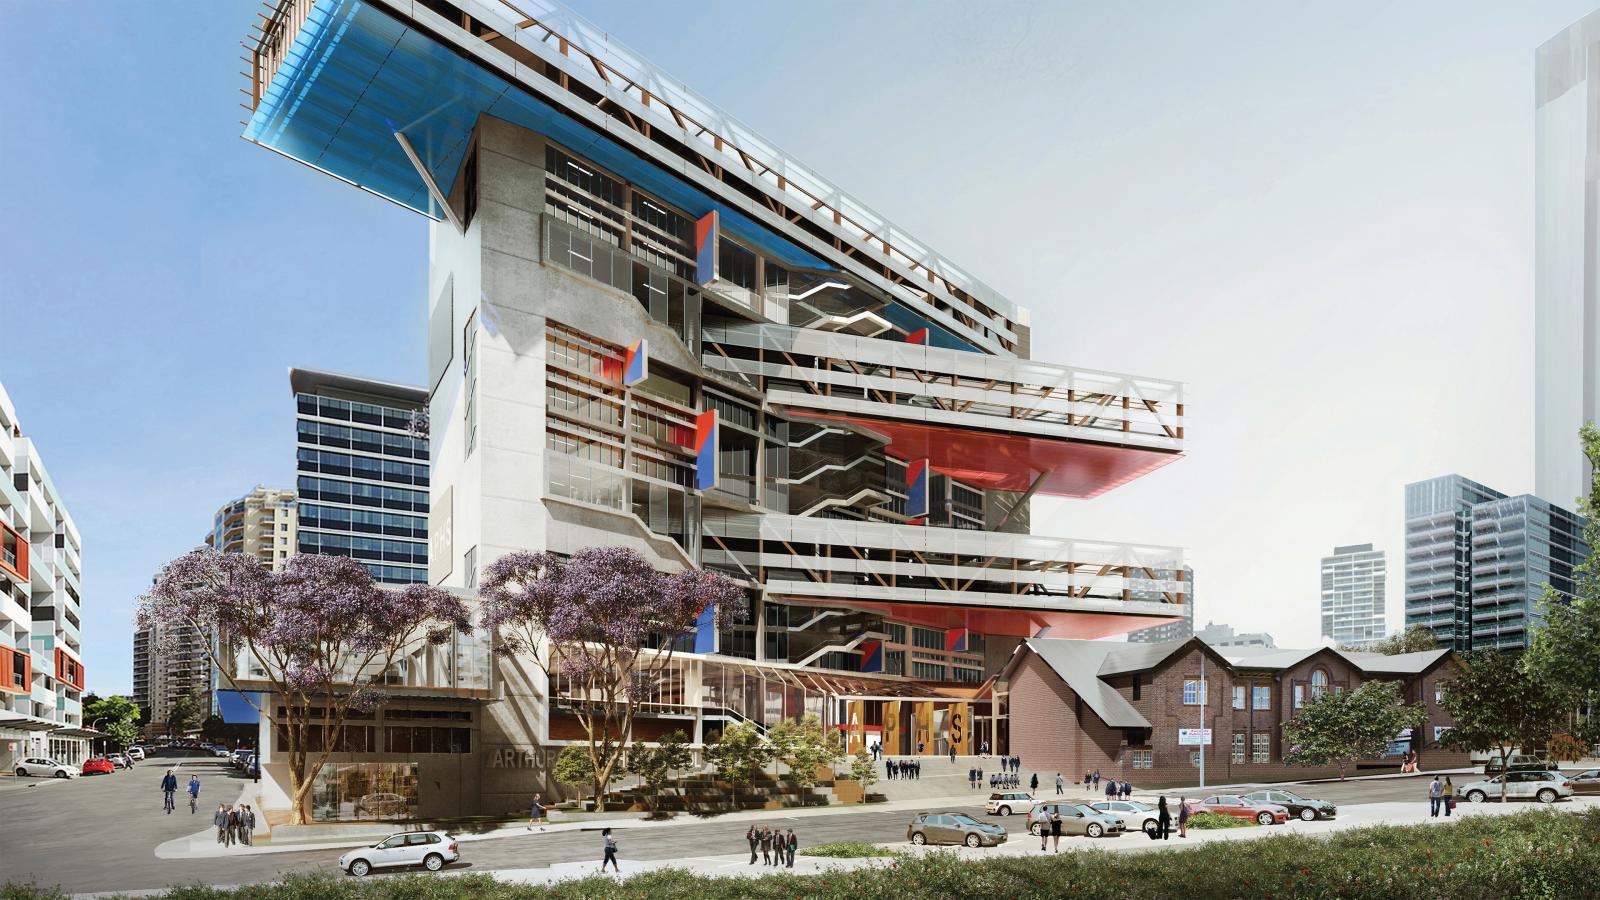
<point>15,680</point>
<point>1009,462</point>
<point>13,552</point>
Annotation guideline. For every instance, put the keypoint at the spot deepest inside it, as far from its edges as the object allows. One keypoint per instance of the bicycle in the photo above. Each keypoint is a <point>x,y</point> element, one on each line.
<point>194,803</point>
<point>167,804</point>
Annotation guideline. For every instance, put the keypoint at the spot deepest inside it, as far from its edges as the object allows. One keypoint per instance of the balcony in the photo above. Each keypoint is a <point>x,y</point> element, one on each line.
<point>996,583</point>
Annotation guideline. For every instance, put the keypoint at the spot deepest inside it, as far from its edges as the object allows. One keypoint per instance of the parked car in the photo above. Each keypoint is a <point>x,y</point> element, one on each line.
<point>1133,815</point>
<point>1232,805</point>
<point>220,751</point>
<point>1004,804</point>
<point>1517,762</point>
<point>136,753</point>
<point>45,767</point>
<point>953,828</point>
<point>120,760</point>
<point>1586,782</point>
<point>98,765</point>
<point>1076,819</point>
<point>1544,786</point>
<point>236,758</point>
<point>430,849</point>
<point>1302,808</point>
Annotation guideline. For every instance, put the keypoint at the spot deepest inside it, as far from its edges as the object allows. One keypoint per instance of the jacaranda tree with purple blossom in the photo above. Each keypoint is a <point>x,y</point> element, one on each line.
<point>603,625</point>
<point>320,634</point>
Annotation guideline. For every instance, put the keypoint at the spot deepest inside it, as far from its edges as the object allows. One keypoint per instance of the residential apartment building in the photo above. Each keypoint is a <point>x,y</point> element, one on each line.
<point>1477,561</point>
<point>170,663</point>
<point>1353,595</point>
<point>1223,636</point>
<point>649,328</point>
<point>261,524</point>
<point>1566,387</point>
<point>41,607</point>
<point>362,463</point>
<point>1131,712</point>
<point>1176,630</point>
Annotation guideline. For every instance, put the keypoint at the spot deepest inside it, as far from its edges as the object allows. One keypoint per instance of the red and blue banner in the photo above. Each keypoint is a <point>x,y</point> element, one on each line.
<point>917,488</point>
<point>707,231</point>
<point>636,366</point>
<point>920,336</point>
<point>872,656</point>
<point>955,640</point>
<point>705,630</point>
<point>705,450</point>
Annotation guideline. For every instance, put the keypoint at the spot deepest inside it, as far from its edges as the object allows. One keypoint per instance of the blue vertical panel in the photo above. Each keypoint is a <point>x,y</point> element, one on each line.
<point>636,367</point>
<point>705,450</point>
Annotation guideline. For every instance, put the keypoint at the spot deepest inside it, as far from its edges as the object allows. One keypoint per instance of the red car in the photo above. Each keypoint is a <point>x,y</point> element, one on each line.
<point>1230,805</point>
<point>98,765</point>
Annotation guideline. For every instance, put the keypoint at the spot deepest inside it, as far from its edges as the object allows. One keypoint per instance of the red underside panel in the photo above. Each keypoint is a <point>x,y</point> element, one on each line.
<point>1010,462</point>
<point>1015,622</point>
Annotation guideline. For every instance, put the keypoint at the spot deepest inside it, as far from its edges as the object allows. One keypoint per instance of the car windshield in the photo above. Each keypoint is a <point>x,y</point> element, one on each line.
<point>1142,807</point>
<point>958,818</point>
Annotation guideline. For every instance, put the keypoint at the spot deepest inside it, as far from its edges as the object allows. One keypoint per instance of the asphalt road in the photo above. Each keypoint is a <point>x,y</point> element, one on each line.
<point>99,833</point>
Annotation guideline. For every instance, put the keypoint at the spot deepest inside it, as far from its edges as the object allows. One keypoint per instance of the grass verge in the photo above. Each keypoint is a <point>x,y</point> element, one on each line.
<point>846,850</point>
<point>1535,854</point>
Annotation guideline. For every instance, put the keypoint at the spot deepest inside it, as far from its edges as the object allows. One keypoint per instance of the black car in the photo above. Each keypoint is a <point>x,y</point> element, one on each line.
<point>1302,808</point>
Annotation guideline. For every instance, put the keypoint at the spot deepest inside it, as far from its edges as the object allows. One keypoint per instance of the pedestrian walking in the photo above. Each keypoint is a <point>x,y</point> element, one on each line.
<point>1449,794</point>
<point>1111,790</point>
<point>169,786</point>
<point>1163,818</point>
<point>1061,785</point>
<point>1044,835</point>
<point>536,812</point>
<point>1005,763</point>
<point>1127,791</point>
<point>972,777</point>
<point>1087,778</point>
<point>247,825</point>
<point>980,777</point>
<point>1097,779</point>
<point>952,754</point>
<point>791,843</point>
<point>1033,783</point>
<point>1055,828</point>
<point>194,794</point>
<point>766,846</point>
<point>233,826</point>
<point>1435,795</point>
<point>221,821</point>
<point>1183,817</point>
<point>754,837</point>
<point>611,852</point>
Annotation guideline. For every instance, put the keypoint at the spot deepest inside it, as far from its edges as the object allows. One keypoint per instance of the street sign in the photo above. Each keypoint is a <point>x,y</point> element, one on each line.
<point>1193,737</point>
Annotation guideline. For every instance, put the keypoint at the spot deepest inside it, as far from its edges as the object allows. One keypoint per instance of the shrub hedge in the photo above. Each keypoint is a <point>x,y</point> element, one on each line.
<point>1534,854</point>
<point>1208,821</point>
<point>846,850</point>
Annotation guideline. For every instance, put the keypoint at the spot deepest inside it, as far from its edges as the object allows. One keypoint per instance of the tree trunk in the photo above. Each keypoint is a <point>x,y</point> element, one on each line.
<point>299,789</point>
<point>599,795</point>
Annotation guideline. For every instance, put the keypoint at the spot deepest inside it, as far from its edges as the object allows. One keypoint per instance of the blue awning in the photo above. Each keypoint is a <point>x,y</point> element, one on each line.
<point>236,710</point>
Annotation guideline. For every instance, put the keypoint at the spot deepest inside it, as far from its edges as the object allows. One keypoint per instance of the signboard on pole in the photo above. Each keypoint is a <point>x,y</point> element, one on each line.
<point>1194,737</point>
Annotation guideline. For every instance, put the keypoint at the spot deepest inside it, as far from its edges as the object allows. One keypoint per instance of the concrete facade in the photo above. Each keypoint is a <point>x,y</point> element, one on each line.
<point>1353,583</point>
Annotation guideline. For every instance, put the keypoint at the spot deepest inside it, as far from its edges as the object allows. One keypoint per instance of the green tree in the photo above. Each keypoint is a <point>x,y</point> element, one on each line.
<point>116,717</point>
<point>863,771</point>
<point>574,766</point>
<point>1500,702</point>
<point>739,753</point>
<point>185,714</point>
<point>1416,639</point>
<point>814,747</point>
<point>1566,650</point>
<point>1338,728</point>
<point>655,765</point>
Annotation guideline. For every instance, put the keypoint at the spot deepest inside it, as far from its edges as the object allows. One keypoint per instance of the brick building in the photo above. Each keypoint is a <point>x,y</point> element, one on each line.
<point>1078,706</point>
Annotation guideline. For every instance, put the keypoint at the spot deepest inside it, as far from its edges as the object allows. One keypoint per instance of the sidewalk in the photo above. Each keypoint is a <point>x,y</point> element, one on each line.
<point>204,843</point>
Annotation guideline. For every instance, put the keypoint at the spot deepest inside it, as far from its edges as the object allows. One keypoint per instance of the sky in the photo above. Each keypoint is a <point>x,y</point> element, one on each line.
<point>1319,218</point>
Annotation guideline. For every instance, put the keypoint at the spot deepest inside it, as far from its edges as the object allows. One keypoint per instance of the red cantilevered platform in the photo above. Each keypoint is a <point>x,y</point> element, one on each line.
<point>1010,462</point>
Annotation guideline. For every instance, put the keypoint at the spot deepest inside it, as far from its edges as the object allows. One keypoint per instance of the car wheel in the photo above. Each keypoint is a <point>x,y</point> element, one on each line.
<point>1263,818</point>
<point>1308,815</point>
<point>1094,830</point>
<point>919,839</point>
<point>1003,811</point>
<point>1475,796</point>
<point>1151,826</point>
<point>974,841</point>
<point>21,772</point>
<point>433,862</point>
<point>62,773</point>
<point>1547,796</point>
<point>360,868</point>
<point>1037,830</point>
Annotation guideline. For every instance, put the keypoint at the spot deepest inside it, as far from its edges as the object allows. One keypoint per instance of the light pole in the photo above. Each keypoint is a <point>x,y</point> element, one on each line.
<point>1204,696</point>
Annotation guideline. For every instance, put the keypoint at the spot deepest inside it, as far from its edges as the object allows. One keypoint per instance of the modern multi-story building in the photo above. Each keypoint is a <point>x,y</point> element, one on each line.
<point>1477,561</point>
<point>41,608</point>
<point>1352,595</point>
<point>1566,388</point>
<point>362,460</point>
<point>649,327</point>
<point>1218,635</point>
<point>1172,631</point>
<point>259,524</point>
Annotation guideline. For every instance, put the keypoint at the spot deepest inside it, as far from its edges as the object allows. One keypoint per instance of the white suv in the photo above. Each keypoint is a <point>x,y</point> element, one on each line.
<point>1546,787</point>
<point>1006,803</point>
<point>39,765</point>
<point>431,849</point>
<point>136,753</point>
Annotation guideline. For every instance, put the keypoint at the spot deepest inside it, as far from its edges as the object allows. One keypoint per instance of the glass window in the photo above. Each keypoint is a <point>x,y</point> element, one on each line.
<point>1194,692</point>
<point>469,355</point>
<point>1238,746</point>
<point>1238,697</point>
<point>345,792</point>
<point>1260,696</point>
<point>1319,684</point>
<point>1261,747</point>
<point>1299,696</point>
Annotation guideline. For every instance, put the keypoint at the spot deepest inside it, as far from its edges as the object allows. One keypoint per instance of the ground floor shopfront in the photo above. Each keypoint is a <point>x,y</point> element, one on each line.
<point>24,738</point>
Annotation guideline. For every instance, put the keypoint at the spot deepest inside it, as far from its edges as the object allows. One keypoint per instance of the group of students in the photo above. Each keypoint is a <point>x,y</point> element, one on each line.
<point>1118,790</point>
<point>775,847</point>
<point>1012,764</point>
<point>996,779</point>
<point>898,771</point>
<point>235,824</point>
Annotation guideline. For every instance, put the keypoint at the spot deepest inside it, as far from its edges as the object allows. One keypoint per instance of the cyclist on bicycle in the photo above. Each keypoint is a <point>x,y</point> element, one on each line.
<point>169,786</point>
<point>194,792</point>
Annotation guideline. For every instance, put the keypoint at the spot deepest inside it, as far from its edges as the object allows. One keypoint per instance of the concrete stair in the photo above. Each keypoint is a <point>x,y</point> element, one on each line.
<point>941,778</point>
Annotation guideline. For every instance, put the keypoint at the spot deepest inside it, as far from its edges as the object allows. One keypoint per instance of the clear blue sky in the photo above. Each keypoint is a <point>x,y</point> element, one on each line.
<point>1319,217</point>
